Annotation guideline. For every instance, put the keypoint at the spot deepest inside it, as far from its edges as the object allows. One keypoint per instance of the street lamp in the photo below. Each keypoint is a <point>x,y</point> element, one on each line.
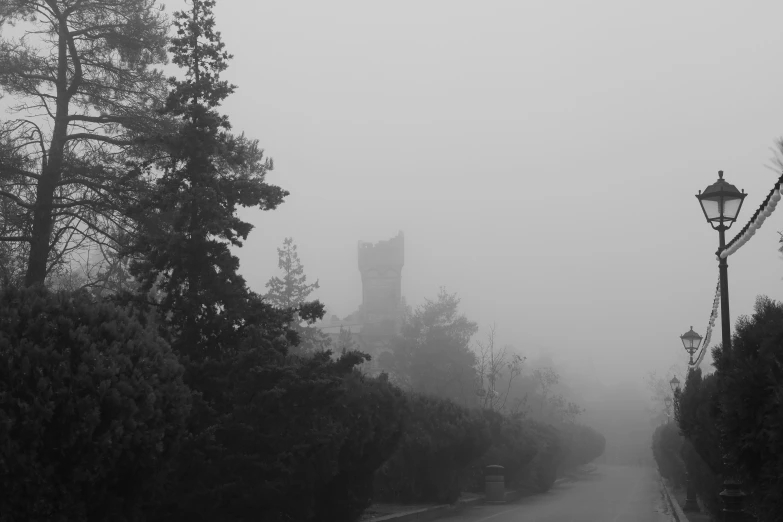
<point>721,203</point>
<point>691,341</point>
<point>674,384</point>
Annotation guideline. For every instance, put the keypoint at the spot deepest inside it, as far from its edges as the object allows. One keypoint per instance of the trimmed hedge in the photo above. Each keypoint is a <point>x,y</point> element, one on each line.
<point>706,482</point>
<point>446,448</point>
<point>750,398</point>
<point>513,446</point>
<point>547,459</point>
<point>440,440</point>
<point>582,445</point>
<point>533,453</point>
<point>667,451</point>
<point>696,409</point>
<point>281,438</point>
<point>92,408</point>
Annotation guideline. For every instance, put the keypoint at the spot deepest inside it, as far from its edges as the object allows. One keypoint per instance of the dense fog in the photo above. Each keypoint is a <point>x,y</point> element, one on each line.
<point>310,260</point>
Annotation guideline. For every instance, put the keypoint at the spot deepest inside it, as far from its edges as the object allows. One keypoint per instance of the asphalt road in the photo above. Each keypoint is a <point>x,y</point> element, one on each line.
<point>610,494</point>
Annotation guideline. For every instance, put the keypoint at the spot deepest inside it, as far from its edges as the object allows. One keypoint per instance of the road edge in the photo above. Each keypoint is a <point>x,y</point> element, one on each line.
<point>429,513</point>
<point>679,514</point>
<point>435,512</point>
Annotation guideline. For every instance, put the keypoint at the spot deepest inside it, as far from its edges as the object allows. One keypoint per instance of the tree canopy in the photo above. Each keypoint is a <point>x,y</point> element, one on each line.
<point>85,95</point>
<point>749,382</point>
<point>291,292</point>
<point>432,355</point>
<point>188,220</point>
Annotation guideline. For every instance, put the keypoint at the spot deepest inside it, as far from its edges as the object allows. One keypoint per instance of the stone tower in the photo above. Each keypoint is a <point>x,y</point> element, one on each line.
<point>381,267</point>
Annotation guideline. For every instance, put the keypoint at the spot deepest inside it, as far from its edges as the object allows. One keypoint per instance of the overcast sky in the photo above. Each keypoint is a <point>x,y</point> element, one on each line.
<point>541,158</point>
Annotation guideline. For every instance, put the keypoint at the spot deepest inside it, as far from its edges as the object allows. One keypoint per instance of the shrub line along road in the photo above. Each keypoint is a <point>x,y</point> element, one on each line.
<point>610,494</point>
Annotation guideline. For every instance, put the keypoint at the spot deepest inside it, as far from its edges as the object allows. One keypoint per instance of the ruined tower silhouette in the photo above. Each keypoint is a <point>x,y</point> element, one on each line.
<point>381,267</point>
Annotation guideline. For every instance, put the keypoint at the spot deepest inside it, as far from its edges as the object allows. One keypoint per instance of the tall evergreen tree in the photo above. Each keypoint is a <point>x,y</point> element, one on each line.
<point>291,292</point>
<point>189,221</point>
<point>432,355</point>
<point>292,289</point>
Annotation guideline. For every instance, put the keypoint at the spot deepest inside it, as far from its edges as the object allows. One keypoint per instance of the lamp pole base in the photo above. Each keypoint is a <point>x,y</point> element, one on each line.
<point>691,506</point>
<point>733,501</point>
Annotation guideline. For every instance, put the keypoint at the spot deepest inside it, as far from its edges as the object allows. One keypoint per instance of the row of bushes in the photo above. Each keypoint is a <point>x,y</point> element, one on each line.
<point>732,419</point>
<point>445,449</point>
<point>100,420</point>
<point>677,459</point>
<point>667,451</point>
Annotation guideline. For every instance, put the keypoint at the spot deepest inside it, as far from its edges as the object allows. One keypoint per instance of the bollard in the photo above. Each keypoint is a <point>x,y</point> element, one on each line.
<point>495,483</point>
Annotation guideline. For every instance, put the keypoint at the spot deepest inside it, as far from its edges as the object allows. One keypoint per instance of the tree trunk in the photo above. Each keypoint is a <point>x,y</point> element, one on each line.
<point>50,173</point>
<point>42,227</point>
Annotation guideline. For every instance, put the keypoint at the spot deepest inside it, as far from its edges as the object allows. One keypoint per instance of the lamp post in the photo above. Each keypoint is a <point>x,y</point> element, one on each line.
<point>674,384</point>
<point>691,341</point>
<point>721,203</point>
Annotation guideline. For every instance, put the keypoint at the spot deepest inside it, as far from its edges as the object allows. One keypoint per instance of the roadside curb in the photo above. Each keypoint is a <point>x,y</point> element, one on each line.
<point>679,514</point>
<point>429,513</point>
<point>435,512</point>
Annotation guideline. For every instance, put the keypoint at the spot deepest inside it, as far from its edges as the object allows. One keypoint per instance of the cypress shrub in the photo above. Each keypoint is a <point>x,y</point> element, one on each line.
<point>92,408</point>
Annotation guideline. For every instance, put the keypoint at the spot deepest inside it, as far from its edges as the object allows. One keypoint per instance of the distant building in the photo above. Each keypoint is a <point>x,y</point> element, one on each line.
<point>381,313</point>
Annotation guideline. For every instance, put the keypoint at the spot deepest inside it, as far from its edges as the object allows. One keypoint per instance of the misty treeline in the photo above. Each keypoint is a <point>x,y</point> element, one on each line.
<point>729,423</point>
<point>438,353</point>
<point>140,377</point>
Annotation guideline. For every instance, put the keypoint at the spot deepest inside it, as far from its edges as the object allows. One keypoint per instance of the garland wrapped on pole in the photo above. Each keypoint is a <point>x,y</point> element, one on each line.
<point>708,335</point>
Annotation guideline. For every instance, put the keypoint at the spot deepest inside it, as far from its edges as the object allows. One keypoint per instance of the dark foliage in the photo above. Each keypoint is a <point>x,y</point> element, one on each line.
<point>440,440</point>
<point>667,451</point>
<point>697,410</point>
<point>582,445</point>
<point>548,457</point>
<point>750,390</point>
<point>513,446</point>
<point>432,355</point>
<point>282,438</point>
<point>84,91</point>
<point>697,413</point>
<point>446,448</point>
<point>92,408</point>
<point>272,436</point>
<point>706,482</point>
<point>188,222</point>
<point>292,292</point>
<point>533,454</point>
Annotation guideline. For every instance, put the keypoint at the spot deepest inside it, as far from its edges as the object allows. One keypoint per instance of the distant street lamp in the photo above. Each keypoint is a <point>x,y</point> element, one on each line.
<point>691,341</point>
<point>721,203</point>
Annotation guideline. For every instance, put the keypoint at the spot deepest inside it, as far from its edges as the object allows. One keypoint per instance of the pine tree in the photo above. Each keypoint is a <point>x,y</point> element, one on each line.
<point>291,291</point>
<point>85,94</point>
<point>189,220</point>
